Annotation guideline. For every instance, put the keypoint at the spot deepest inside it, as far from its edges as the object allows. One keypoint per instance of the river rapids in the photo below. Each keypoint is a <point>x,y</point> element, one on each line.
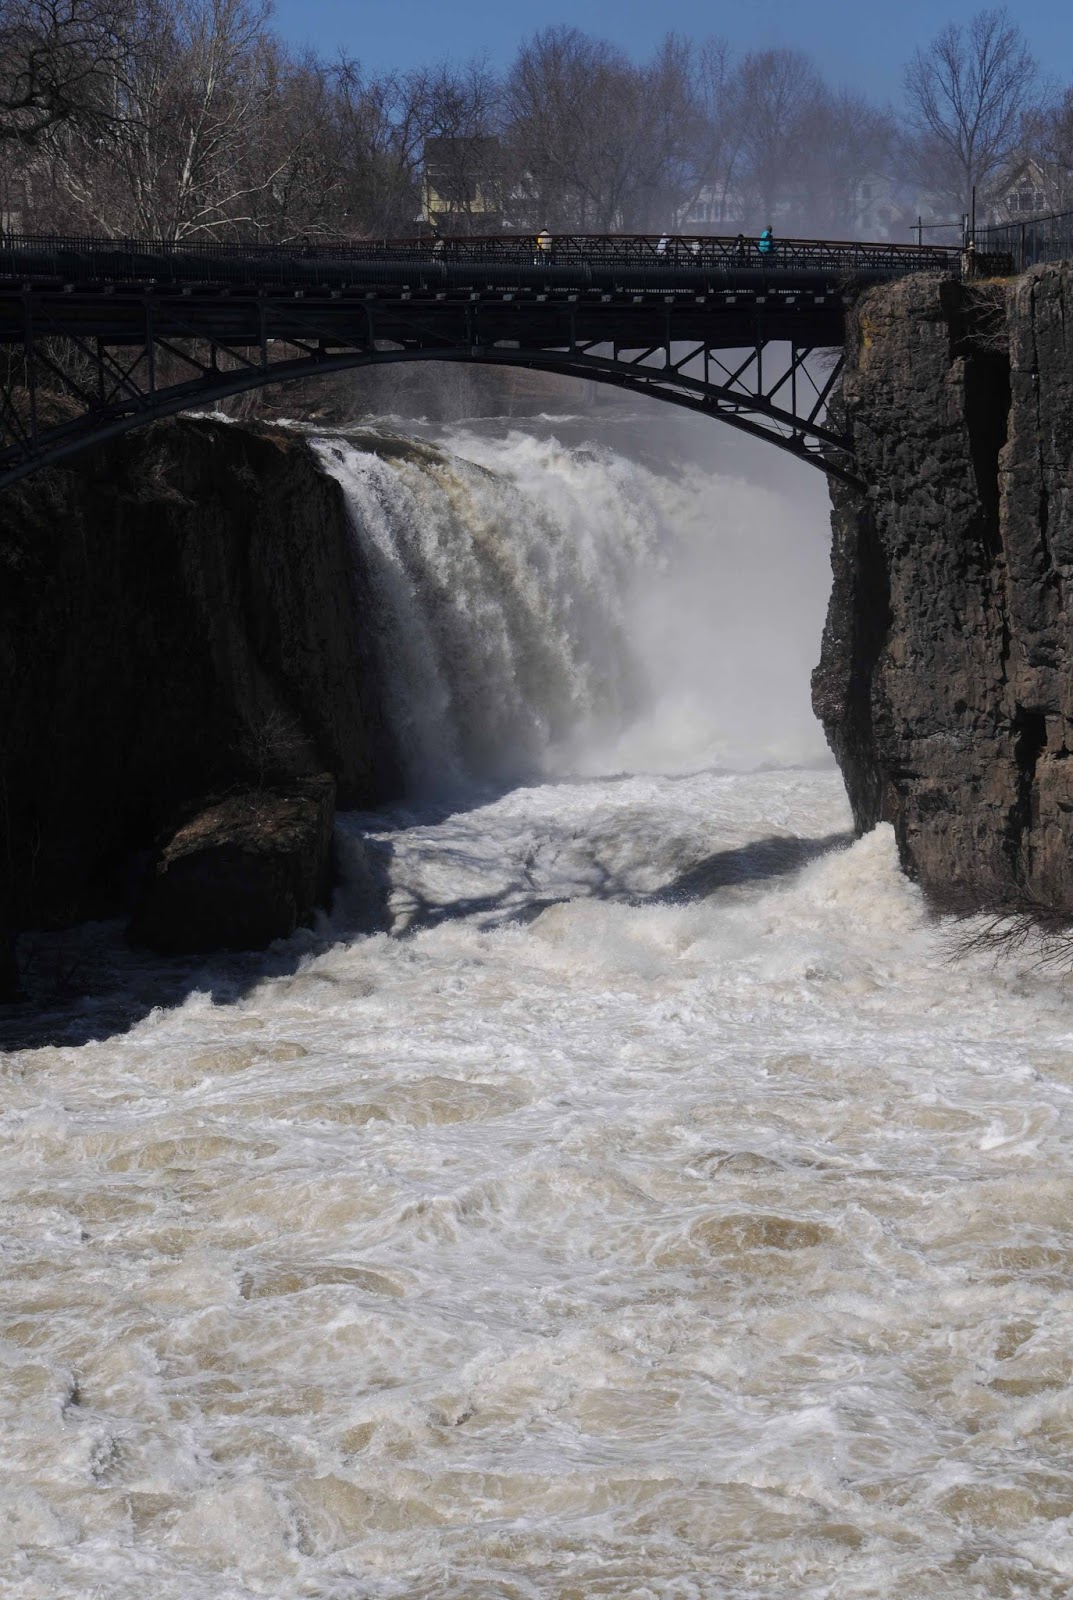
<point>622,1194</point>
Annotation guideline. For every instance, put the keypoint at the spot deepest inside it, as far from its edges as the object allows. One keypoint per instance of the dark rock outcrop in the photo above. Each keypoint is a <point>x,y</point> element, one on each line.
<point>9,971</point>
<point>242,872</point>
<point>182,613</point>
<point>945,684</point>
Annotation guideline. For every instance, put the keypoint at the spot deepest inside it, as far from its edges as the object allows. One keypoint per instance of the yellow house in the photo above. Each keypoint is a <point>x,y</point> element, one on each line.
<point>460,189</point>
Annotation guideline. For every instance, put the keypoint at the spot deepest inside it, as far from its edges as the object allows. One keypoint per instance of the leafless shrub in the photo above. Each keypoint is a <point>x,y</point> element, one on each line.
<point>1030,927</point>
<point>985,317</point>
<point>995,914</point>
<point>273,747</point>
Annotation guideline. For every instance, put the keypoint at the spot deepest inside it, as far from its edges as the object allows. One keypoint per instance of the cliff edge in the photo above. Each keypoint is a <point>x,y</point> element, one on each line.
<point>945,684</point>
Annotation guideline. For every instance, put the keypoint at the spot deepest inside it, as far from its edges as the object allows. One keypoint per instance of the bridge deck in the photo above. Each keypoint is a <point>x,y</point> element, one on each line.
<point>574,260</point>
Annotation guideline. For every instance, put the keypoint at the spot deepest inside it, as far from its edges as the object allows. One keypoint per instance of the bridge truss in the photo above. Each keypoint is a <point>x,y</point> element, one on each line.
<point>98,338</point>
<point>75,390</point>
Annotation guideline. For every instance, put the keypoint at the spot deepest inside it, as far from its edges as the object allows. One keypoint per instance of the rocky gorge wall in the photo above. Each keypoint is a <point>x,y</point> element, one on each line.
<point>945,684</point>
<point>183,617</point>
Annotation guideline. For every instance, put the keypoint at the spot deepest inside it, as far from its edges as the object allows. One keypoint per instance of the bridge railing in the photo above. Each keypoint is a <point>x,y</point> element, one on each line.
<point>83,258</point>
<point>1046,238</point>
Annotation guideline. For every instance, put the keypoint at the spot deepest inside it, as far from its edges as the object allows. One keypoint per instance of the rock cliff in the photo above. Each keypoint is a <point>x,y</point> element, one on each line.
<point>945,684</point>
<point>181,616</point>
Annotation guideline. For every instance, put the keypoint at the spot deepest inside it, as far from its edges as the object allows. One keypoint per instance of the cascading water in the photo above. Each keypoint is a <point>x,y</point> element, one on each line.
<point>662,1217</point>
<point>500,629</point>
<point>546,609</point>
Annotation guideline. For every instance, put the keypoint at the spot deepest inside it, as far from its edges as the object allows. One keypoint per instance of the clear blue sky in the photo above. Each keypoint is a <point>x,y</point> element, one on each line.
<point>858,42</point>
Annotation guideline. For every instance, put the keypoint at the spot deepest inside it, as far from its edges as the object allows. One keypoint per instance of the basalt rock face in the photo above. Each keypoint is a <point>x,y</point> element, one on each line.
<point>945,684</point>
<point>182,613</point>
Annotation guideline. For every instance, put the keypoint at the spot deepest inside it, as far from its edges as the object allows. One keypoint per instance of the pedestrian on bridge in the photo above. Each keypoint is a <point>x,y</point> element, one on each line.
<point>766,242</point>
<point>543,244</point>
<point>661,248</point>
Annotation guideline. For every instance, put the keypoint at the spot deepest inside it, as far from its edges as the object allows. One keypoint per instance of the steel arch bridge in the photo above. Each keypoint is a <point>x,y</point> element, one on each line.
<point>99,336</point>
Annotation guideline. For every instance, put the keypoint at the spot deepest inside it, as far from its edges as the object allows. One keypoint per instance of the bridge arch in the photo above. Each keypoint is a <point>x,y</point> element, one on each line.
<point>802,433</point>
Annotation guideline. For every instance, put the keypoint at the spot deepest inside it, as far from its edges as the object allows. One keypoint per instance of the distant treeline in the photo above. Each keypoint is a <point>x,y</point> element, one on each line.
<point>192,118</point>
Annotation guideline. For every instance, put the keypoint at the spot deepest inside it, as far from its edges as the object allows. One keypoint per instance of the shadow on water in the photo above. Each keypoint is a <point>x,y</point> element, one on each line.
<point>755,862</point>
<point>521,902</point>
<point>85,984</point>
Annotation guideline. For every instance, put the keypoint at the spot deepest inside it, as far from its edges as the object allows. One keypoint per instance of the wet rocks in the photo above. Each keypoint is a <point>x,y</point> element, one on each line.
<point>241,872</point>
<point>945,684</point>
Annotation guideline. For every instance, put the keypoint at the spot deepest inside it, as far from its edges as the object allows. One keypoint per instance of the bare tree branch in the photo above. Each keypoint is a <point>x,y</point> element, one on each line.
<point>966,93</point>
<point>57,59</point>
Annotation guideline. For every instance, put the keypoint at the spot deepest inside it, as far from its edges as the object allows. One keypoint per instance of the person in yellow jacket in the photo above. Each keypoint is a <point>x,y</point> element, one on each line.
<point>543,244</point>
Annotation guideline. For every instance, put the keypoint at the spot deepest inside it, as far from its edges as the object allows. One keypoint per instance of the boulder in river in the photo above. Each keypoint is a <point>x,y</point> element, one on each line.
<point>245,870</point>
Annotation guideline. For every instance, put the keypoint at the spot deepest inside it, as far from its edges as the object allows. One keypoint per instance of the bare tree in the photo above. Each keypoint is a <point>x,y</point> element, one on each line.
<point>776,96</point>
<point>567,99</point>
<point>595,142</point>
<point>966,93</point>
<point>382,138</point>
<point>191,118</point>
<point>718,136</point>
<point>671,133</point>
<point>189,107</point>
<point>845,140</point>
<point>57,62</point>
<point>294,164</point>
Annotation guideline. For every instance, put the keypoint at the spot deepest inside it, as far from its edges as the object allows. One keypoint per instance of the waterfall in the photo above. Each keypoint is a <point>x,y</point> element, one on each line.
<point>545,609</point>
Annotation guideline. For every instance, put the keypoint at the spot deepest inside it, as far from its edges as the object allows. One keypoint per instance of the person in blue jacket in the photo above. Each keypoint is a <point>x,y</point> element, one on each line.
<point>766,242</point>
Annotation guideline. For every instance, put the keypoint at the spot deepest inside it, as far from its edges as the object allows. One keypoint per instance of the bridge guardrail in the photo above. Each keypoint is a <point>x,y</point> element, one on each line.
<point>1046,238</point>
<point>87,259</point>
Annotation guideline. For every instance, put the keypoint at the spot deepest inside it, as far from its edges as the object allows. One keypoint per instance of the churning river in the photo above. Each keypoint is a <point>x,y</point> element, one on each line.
<point>646,1207</point>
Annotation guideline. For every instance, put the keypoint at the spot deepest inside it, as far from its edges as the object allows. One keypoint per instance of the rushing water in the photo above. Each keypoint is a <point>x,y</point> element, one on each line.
<point>654,1211</point>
